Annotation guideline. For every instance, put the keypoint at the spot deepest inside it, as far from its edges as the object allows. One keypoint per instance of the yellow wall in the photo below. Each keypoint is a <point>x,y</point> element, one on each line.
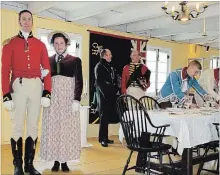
<point>180,52</point>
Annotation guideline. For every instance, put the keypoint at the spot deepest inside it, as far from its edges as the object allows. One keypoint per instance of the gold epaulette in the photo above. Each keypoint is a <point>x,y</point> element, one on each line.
<point>7,41</point>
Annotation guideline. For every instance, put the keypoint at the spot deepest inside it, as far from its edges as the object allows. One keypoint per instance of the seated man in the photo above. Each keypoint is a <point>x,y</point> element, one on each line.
<point>209,80</point>
<point>178,83</point>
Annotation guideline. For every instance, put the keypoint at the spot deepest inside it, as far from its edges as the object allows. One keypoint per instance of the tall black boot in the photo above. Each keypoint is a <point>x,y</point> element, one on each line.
<point>16,148</point>
<point>30,147</point>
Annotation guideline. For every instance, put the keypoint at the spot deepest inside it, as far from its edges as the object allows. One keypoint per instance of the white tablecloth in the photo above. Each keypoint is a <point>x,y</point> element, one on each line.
<point>84,121</point>
<point>191,127</point>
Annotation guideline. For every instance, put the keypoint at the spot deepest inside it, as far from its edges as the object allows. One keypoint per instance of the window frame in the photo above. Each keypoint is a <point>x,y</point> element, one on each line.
<point>206,59</point>
<point>217,58</point>
<point>169,53</point>
<point>73,36</point>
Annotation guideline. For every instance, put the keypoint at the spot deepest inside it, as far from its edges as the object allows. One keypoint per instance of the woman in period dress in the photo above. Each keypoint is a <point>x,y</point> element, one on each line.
<point>60,140</point>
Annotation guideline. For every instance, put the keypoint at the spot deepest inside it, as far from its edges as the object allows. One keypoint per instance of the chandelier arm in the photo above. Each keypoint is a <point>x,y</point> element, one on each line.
<point>177,17</point>
<point>202,11</point>
<point>171,14</point>
<point>197,13</point>
<point>191,14</point>
<point>177,12</point>
<point>168,13</point>
<point>165,10</point>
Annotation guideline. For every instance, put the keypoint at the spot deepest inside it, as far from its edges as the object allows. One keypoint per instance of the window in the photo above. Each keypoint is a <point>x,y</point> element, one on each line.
<point>74,49</point>
<point>207,63</point>
<point>214,62</point>
<point>158,62</point>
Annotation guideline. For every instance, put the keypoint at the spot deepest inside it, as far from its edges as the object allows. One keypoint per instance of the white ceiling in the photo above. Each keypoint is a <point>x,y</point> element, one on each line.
<point>141,18</point>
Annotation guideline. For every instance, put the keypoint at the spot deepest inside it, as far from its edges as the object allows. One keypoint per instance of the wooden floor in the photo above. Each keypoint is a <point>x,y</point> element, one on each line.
<point>94,160</point>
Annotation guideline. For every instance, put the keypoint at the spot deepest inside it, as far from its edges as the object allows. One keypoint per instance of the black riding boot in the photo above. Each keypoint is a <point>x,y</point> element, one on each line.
<point>30,147</point>
<point>16,148</point>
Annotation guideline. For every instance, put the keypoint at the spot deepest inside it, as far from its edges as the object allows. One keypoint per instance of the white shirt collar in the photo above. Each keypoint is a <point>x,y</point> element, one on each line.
<point>25,34</point>
<point>64,55</point>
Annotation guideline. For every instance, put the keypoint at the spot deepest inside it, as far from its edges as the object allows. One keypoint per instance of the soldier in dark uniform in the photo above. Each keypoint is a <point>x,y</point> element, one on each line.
<point>106,89</point>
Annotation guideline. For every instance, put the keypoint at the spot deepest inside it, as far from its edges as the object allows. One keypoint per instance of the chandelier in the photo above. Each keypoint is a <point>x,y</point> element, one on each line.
<point>184,14</point>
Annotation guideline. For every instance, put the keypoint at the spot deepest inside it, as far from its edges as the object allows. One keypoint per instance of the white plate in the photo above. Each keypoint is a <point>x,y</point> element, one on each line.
<point>175,109</point>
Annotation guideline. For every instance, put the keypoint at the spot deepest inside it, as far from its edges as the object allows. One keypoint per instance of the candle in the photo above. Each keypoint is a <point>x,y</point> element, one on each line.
<point>197,7</point>
<point>173,9</point>
<point>165,5</point>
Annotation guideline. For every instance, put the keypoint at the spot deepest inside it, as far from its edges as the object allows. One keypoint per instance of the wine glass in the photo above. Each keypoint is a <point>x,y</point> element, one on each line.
<point>208,100</point>
<point>173,100</point>
<point>213,102</point>
<point>188,101</point>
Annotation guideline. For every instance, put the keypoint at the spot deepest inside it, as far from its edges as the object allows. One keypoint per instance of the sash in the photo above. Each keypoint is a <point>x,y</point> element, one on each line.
<point>134,76</point>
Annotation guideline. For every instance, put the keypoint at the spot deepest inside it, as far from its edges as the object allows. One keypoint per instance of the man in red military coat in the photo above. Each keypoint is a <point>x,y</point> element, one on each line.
<point>22,57</point>
<point>135,77</point>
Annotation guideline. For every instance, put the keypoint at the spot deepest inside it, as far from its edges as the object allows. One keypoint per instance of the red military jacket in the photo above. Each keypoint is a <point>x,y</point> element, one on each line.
<point>125,77</point>
<point>23,59</point>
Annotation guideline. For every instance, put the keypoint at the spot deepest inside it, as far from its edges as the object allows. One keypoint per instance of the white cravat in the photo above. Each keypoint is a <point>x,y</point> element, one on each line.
<point>57,55</point>
<point>185,86</point>
<point>25,34</point>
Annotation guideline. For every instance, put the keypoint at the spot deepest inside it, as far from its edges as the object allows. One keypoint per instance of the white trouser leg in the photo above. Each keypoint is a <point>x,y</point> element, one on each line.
<point>33,109</point>
<point>26,96</point>
<point>18,113</point>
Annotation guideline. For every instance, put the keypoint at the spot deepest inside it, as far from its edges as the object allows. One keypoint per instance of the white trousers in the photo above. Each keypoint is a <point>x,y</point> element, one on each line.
<point>136,92</point>
<point>26,97</point>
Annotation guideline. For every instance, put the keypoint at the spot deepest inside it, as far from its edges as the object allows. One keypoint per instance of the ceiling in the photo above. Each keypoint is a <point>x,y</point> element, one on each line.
<point>142,18</point>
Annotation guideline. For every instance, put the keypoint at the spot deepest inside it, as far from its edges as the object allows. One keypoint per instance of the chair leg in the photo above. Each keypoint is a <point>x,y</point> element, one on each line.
<point>200,168</point>
<point>148,167</point>
<point>128,161</point>
<point>161,158</point>
<point>218,166</point>
<point>198,151</point>
<point>171,162</point>
<point>202,162</point>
